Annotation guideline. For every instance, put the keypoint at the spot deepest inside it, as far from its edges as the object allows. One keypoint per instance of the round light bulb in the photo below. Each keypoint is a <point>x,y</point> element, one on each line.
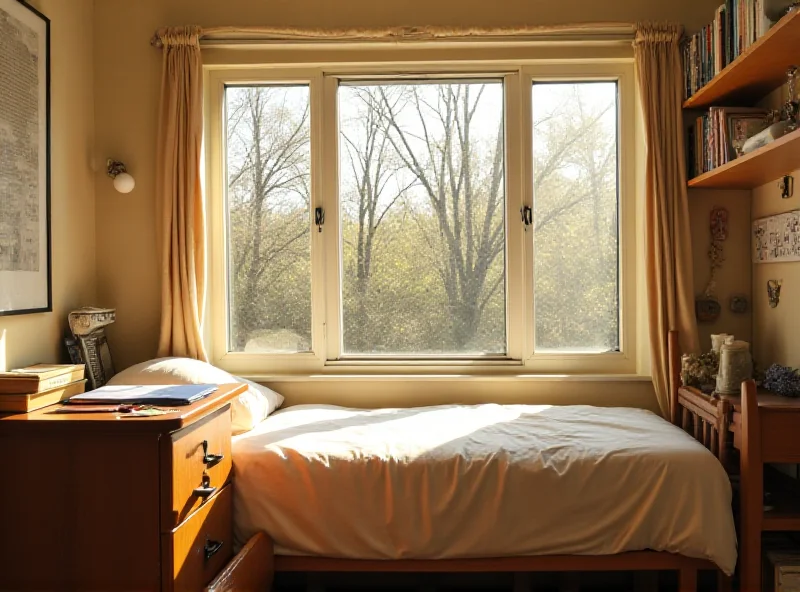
<point>124,183</point>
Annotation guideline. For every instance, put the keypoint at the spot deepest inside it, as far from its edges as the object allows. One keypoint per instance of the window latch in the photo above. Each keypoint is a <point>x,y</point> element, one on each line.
<point>319,218</point>
<point>527,216</point>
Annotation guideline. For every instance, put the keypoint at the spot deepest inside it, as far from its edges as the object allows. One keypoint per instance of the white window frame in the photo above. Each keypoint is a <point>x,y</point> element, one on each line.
<point>325,357</point>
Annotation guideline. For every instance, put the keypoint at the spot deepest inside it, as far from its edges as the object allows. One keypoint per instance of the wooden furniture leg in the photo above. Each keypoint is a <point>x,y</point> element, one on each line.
<point>724,583</point>
<point>674,377</point>
<point>724,435</point>
<point>687,581</point>
<point>752,491</point>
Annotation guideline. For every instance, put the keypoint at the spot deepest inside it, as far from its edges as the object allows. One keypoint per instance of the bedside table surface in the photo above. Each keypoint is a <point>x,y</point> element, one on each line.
<point>169,422</point>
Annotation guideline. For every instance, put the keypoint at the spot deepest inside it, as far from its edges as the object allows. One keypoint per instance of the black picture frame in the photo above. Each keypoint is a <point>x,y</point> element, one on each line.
<point>25,291</point>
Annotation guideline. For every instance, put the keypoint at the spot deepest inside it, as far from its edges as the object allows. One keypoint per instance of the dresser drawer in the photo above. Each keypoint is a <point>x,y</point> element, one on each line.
<point>198,549</point>
<point>192,470</point>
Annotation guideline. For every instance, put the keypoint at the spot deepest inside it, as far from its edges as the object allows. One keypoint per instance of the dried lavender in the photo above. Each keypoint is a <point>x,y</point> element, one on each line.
<point>782,380</point>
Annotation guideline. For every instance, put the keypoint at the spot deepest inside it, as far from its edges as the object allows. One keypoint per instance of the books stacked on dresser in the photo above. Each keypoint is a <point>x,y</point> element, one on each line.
<point>33,387</point>
<point>737,25</point>
<point>716,136</point>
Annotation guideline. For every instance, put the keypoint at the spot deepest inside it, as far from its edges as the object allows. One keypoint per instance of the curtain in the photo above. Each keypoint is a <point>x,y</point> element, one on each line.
<point>670,289</point>
<point>181,216</point>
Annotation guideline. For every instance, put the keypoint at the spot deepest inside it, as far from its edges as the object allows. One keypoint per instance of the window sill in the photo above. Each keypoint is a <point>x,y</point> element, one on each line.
<point>448,377</point>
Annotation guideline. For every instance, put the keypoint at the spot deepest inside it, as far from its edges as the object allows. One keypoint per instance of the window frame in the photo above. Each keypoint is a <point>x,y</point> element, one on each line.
<point>325,355</point>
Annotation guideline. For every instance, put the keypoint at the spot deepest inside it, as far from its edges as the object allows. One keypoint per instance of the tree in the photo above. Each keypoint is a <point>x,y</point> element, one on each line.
<point>422,194</point>
<point>367,154</point>
<point>466,198</point>
<point>269,200</point>
<point>575,223</point>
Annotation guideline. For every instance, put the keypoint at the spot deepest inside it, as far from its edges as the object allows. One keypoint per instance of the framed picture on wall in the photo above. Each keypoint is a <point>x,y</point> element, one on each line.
<point>25,266</point>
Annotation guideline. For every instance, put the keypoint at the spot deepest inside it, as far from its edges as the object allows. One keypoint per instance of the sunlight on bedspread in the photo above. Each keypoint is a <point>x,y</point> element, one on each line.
<point>480,481</point>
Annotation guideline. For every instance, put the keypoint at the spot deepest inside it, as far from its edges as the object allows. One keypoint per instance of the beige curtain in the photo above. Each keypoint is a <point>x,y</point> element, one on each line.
<point>670,289</point>
<point>179,196</point>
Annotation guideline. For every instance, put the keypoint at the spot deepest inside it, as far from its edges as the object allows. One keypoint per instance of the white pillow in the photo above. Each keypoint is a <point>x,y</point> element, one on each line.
<point>249,409</point>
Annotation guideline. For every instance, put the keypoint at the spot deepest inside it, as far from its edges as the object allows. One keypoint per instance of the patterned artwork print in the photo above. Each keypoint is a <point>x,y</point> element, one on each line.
<point>19,146</point>
<point>777,238</point>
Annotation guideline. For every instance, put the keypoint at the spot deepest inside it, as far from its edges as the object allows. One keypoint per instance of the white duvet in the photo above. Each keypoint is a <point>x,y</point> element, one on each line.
<point>480,481</point>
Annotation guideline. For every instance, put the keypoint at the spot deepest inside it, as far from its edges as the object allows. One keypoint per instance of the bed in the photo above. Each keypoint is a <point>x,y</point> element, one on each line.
<point>483,488</point>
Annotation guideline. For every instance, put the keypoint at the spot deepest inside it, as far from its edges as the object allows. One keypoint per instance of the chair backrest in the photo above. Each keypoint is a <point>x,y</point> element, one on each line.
<point>706,417</point>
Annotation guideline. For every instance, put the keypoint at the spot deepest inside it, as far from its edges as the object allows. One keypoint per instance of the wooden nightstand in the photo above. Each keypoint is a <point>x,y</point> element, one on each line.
<point>95,502</point>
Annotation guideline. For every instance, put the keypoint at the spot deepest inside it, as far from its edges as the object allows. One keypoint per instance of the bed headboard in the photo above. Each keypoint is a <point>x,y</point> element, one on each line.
<point>706,417</point>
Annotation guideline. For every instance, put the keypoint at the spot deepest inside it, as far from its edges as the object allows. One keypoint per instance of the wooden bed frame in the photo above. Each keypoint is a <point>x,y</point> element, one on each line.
<point>706,429</point>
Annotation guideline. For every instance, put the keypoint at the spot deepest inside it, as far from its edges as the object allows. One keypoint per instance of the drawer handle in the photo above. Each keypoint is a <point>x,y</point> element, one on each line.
<point>211,548</point>
<point>210,459</point>
<point>205,490</point>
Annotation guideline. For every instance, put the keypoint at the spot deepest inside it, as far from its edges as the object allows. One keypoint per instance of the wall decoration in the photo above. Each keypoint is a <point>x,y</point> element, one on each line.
<point>706,307</point>
<point>739,304</point>
<point>774,292</point>
<point>777,238</point>
<point>707,310</point>
<point>24,159</point>
<point>88,328</point>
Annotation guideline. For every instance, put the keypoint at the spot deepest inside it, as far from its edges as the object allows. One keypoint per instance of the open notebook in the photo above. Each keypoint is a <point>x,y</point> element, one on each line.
<point>182,394</point>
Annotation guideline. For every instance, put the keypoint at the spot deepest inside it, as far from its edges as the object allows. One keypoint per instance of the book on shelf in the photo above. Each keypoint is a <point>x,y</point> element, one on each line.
<point>183,394</point>
<point>39,378</point>
<point>23,403</point>
<point>716,134</point>
<point>737,25</point>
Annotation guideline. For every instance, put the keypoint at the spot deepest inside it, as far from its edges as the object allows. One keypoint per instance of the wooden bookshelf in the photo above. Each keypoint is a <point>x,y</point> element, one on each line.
<point>758,71</point>
<point>768,163</point>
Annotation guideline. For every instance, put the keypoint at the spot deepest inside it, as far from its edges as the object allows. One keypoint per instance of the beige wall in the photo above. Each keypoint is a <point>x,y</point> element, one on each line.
<point>409,392</point>
<point>734,276</point>
<point>32,338</point>
<point>777,330</point>
<point>126,94</point>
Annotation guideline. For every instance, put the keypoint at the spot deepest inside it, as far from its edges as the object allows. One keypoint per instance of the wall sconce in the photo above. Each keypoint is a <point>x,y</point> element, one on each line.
<point>123,182</point>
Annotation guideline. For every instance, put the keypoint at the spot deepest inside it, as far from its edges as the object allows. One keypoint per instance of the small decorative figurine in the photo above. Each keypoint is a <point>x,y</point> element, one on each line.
<point>774,292</point>
<point>90,343</point>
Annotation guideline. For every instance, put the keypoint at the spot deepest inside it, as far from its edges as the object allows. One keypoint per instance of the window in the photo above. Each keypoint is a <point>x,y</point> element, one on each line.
<point>372,218</point>
<point>422,218</point>
<point>575,221</point>
<point>268,178</point>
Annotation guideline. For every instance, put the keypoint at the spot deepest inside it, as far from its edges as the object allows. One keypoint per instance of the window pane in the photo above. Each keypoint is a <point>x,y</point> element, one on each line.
<point>576,257</point>
<point>269,246</point>
<point>422,218</point>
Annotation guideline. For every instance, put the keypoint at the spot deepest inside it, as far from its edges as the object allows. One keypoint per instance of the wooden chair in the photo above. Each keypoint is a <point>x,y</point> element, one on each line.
<point>706,417</point>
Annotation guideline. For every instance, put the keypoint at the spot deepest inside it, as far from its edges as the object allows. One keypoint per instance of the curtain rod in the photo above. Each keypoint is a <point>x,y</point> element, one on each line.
<point>266,35</point>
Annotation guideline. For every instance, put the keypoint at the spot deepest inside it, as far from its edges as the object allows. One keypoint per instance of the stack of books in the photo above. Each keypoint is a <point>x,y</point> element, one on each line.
<point>737,25</point>
<point>716,135</point>
<point>40,385</point>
